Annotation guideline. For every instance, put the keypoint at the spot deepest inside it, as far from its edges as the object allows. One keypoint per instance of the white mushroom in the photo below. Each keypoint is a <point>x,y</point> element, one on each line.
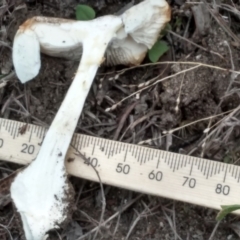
<point>142,25</point>
<point>41,192</point>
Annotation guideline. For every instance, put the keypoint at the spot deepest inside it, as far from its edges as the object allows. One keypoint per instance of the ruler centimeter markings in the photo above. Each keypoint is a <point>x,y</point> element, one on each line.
<point>176,176</point>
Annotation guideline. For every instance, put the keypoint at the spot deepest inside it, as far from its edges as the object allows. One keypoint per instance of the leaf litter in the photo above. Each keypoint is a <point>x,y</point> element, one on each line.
<point>145,116</point>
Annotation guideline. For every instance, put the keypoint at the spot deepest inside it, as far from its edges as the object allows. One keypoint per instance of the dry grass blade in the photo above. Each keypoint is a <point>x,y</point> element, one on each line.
<point>177,62</point>
<point>102,191</point>
<point>5,183</point>
<point>4,80</point>
<point>221,124</point>
<point>198,64</point>
<point>233,76</point>
<point>135,222</point>
<point>196,45</point>
<point>123,119</point>
<point>126,206</point>
<point>158,81</point>
<point>179,95</point>
<point>145,213</point>
<point>135,123</point>
<point>220,21</point>
<point>171,223</point>
<point>6,229</point>
<point>148,141</point>
<point>214,230</point>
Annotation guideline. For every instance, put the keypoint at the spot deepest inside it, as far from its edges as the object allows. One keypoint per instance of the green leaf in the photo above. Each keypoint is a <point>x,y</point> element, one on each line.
<point>84,12</point>
<point>226,209</point>
<point>158,49</point>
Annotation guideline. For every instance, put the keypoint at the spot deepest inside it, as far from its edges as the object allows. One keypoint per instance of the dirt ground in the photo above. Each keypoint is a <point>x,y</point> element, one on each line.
<point>202,92</point>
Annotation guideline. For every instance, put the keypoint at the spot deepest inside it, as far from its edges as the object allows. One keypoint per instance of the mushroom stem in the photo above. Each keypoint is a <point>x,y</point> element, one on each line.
<point>41,192</point>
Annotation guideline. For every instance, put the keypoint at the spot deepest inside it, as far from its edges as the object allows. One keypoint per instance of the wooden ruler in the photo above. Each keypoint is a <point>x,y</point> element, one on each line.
<point>175,176</point>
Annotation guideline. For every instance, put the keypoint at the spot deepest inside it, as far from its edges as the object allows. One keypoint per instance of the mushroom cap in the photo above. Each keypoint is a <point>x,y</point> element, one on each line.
<point>26,55</point>
<point>125,51</point>
<point>41,34</point>
<point>145,21</point>
<point>142,26</point>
